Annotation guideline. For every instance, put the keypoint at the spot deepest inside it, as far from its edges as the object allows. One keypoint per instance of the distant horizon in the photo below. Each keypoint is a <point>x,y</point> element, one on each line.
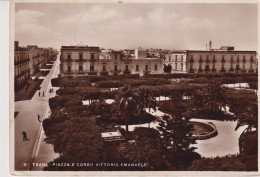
<point>127,26</point>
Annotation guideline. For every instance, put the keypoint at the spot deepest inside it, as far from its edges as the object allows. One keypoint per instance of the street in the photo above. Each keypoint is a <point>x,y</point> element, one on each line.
<point>27,120</point>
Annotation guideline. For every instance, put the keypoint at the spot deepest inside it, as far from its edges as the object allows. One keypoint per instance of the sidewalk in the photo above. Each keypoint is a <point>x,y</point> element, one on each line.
<point>27,120</point>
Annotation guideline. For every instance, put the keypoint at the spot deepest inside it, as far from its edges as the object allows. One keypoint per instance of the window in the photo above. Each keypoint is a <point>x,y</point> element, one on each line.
<point>181,66</point>
<point>92,68</point>
<point>191,58</point>
<point>169,57</point>
<point>69,56</point>
<point>155,67</point>
<point>69,69</point>
<point>146,67</point>
<point>104,67</point>
<point>176,64</point>
<point>237,58</point>
<point>137,68</point>
<point>115,56</point>
<point>80,68</point>
<point>181,58</point>
<point>115,67</point>
<point>80,56</point>
<point>207,68</point>
<point>92,56</point>
<point>176,58</point>
<point>231,58</point>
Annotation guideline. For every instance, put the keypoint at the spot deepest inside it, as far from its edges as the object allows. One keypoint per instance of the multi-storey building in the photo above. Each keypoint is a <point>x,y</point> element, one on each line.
<point>21,65</point>
<point>29,60</point>
<point>225,59</point>
<point>86,60</point>
<point>177,59</point>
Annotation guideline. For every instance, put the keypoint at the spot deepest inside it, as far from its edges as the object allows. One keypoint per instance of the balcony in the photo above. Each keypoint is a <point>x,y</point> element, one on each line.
<point>191,70</point>
<point>231,69</point>
<point>20,62</point>
<point>222,70</point>
<point>127,72</point>
<point>104,73</point>
<point>147,72</point>
<point>251,70</point>
<point>214,70</point>
<point>200,70</point>
<point>243,71</point>
<point>91,73</point>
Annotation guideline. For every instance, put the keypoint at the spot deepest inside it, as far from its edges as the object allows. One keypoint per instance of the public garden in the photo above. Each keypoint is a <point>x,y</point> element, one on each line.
<point>86,106</point>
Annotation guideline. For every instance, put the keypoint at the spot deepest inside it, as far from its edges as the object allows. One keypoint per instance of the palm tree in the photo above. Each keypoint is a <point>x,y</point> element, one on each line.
<point>145,100</point>
<point>247,116</point>
<point>127,105</point>
<point>215,96</point>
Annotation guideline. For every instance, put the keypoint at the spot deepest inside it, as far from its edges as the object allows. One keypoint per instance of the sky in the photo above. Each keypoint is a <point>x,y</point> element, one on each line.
<point>133,25</point>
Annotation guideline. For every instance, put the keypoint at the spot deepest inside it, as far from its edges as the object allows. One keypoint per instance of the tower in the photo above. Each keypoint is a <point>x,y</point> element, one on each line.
<point>210,43</point>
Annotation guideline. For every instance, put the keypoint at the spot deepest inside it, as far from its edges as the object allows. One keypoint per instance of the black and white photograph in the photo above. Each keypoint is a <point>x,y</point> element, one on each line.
<point>155,87</point>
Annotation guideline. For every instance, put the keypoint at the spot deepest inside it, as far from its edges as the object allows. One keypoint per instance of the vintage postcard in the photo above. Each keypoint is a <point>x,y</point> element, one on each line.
<point>133,88</point>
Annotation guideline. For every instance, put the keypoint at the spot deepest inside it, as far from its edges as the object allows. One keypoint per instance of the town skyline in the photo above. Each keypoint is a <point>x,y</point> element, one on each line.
<point>122,26</point>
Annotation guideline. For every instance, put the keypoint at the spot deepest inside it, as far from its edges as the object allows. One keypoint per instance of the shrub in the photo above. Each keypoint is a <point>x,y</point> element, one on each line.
<point>143,132</point>
<point>73,103</point>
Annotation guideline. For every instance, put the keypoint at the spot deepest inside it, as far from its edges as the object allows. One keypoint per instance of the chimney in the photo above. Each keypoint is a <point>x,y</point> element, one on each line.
<point>210,43</point>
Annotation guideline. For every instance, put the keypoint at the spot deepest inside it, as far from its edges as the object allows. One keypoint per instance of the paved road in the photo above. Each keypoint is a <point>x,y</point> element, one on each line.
<point>27,121</point>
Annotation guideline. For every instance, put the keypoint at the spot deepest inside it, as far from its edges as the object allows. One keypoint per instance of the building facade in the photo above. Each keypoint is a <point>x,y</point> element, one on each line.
<point>29,60</point>
<point>225,59</point>
<point>85,60</point>
<point>177,60</point>
<point>221,61</point>
<point>21,66</point>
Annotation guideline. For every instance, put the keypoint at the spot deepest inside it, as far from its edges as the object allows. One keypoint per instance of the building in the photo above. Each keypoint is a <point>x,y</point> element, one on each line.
<point>21,66</point>
<point>225,59</point>
<point>29,60</point>
<point>177,59</point>
<point>86,60</point>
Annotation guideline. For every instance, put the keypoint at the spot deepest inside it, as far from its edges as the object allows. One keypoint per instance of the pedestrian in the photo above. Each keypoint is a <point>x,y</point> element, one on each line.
<point>39,93</point>
<point>39,118</point>
<point>50,90</point>
<point>43,94</point>
<point>24,136</point>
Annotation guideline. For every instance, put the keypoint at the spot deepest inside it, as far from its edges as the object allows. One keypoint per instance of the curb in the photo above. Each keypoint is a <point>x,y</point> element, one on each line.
<point>40,131</point>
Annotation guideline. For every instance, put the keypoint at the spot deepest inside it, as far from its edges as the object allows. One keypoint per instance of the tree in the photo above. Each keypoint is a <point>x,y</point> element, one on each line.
<point>247,116</point>
<point>167,68</point>
<point>127,104</point>
<point>215,96</point>
<point>146,149</point>
<point>145,99</point>
<point>176,140</point>
<point>212,96</point>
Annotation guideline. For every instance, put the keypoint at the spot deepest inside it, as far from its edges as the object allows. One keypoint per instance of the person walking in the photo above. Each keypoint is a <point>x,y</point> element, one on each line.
<point>39,118</point>
<point>43,94</point>
<point>39,93</point>
<point>50,90</point>
<point>24,136</point>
